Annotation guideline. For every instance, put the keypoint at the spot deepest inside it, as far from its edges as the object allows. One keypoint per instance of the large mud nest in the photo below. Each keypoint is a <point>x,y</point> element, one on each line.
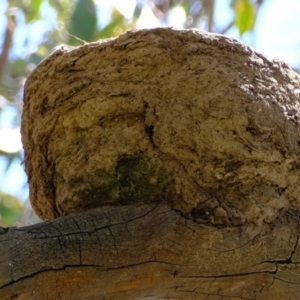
<point>180,116</point>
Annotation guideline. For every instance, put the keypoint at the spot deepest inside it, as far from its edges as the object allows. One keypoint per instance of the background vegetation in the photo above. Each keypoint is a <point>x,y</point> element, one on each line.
<point>30,30</point>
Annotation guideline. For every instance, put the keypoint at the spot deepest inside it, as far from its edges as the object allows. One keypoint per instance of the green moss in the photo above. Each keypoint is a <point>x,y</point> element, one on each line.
<point>136,178</point>
<point>140,179</point>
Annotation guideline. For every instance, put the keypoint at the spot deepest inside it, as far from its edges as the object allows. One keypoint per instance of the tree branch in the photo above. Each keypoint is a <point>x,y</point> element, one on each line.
<point>128,252</point>
<point>11,25</point>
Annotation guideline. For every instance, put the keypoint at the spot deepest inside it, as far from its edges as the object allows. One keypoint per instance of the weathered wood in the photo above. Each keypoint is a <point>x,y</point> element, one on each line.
<point>149,252</point>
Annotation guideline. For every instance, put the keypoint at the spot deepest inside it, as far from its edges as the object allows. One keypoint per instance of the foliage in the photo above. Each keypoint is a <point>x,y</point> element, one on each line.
<point>244,15</point>
<point>10,208</point>
<point>32,29</point>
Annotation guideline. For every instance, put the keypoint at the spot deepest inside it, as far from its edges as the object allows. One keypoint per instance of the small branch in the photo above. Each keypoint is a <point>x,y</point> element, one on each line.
<point>11,25</point>
<point>209,7</point>
<point>224,30</point>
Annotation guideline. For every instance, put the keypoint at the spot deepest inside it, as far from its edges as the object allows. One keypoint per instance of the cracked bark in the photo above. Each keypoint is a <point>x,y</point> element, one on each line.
<point>170,160</point>
<point>149,252</point>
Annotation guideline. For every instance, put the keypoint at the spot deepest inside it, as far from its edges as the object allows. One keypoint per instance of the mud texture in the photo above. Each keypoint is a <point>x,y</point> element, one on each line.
<point>194,119</point>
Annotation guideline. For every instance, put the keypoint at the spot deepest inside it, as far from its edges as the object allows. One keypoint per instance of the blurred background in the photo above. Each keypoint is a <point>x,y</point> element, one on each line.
<point>31,29</point>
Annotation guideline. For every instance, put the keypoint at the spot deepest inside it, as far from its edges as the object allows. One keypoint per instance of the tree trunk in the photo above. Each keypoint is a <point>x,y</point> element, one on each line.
<point>167,162</point>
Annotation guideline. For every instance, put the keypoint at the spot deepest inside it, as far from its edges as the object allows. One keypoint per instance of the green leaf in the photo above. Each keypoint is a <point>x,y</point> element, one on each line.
<point>244,15</point>
<point>10,209</point>
<point>18,68</point>
<point>35,5</point>
<point>83,22</point>
<point>32,10</point>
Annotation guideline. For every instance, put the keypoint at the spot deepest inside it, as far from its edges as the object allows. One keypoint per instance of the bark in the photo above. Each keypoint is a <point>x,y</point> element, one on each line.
<point>149,252</point>
<point>185,145</point>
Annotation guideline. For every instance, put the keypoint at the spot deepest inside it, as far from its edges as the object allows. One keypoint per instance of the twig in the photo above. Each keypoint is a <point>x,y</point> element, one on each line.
<point>11,24</point>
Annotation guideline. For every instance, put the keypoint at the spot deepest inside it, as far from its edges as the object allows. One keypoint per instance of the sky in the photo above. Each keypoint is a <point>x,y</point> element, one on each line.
<point>276,34</point>
<point>276,31</point>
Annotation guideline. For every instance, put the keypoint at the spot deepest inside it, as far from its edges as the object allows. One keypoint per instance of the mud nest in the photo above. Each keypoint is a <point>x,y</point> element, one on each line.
<point>194,119</point>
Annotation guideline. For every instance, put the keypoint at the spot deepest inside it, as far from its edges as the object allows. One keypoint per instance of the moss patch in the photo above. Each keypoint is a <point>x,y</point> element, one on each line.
<point>136,178</point>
